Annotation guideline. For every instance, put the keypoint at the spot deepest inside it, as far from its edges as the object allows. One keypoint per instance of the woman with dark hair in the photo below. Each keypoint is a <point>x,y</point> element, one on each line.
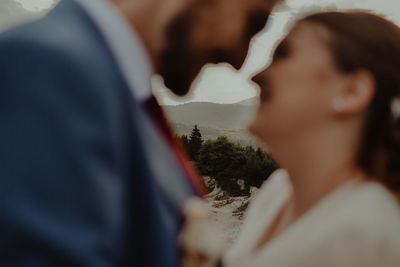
<point>329,113</point>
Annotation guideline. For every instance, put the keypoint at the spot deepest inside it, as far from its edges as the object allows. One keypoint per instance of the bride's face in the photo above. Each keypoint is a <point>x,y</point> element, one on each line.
<point>297,88</point>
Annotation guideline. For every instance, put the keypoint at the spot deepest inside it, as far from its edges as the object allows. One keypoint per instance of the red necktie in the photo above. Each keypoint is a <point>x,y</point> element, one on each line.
<point>161,124</point>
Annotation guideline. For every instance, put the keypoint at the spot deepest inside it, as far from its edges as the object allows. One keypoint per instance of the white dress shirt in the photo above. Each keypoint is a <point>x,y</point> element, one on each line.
<point>125,44</point>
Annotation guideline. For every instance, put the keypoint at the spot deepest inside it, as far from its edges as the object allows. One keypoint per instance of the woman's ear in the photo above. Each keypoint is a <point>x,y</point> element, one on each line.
<point>356,94</point>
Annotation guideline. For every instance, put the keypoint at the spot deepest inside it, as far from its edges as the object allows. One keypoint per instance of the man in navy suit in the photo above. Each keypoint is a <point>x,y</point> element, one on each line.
<point>87,176</point>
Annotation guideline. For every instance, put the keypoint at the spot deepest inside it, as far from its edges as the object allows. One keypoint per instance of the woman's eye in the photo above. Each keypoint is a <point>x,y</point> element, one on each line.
<point>282,51</point>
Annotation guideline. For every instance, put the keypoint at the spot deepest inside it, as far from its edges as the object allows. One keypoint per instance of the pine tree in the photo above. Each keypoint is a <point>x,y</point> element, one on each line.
<point>195,142</point>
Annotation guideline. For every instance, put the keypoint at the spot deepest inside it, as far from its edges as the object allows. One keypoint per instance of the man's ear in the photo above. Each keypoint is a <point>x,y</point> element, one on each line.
<point>356,95</point>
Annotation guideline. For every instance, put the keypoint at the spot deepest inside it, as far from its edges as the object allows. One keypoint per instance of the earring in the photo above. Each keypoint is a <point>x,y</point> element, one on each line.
<point>338,104</point>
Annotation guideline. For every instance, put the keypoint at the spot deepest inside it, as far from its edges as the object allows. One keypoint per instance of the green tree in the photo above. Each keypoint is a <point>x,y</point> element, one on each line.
<point>259,166</point>
<point>227,162</point>
<point>223,161</point>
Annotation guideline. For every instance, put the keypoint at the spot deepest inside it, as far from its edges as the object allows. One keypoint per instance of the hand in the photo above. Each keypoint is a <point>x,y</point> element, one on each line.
<point>199,240</point>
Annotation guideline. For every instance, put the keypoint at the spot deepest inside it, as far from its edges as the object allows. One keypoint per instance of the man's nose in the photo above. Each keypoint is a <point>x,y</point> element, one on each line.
<point>239,60</point>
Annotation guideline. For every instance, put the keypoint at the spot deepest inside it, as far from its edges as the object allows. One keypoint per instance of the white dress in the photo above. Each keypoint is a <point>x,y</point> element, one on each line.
<point>356,225</point>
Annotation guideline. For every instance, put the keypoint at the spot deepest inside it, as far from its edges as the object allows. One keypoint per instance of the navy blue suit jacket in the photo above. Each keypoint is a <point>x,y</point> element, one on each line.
<point>80,162</point>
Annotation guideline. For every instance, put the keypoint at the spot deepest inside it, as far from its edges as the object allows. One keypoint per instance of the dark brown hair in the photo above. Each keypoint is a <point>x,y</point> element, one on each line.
<point>361,40</point>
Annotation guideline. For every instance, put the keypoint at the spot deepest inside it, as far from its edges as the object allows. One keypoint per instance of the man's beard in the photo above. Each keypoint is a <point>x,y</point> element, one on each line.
<point>175,64</point>
<point>179,63</point>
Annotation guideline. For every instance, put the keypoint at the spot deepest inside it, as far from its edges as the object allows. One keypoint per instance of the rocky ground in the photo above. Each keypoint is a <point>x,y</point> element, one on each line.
<point>228,213</point>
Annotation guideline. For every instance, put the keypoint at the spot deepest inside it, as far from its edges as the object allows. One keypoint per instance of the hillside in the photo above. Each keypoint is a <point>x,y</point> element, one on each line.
<point>214,119</point>
<point>241,137</point>
<point>230,117</point>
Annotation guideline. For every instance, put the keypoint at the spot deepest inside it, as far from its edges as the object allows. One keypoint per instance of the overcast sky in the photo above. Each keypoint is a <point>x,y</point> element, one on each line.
<point>221,83</point>
<point>224,85</point>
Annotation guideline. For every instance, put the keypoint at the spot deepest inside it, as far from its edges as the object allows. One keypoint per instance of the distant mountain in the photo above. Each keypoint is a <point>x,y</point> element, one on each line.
<point>214,119</point>
<point>241,137</point>
<point>212,115</point>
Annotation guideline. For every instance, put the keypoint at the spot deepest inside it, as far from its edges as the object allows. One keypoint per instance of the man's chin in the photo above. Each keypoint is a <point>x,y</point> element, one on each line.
<point>178,85</point>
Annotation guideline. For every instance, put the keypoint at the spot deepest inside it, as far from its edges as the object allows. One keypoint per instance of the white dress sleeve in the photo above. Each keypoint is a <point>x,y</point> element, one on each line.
<point>357,225</point>
<point>261,211</point>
